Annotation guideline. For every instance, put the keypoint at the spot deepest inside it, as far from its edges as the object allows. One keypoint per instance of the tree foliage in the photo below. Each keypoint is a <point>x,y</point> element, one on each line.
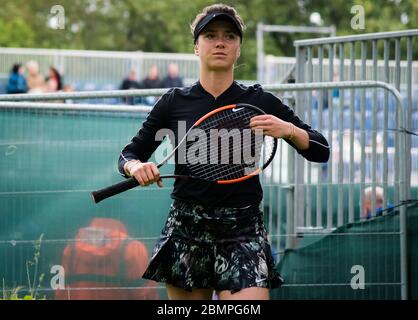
<point>163,26</point>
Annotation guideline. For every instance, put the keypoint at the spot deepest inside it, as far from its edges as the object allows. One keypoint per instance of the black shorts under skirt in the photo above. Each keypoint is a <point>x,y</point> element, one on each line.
<point>219,248</point>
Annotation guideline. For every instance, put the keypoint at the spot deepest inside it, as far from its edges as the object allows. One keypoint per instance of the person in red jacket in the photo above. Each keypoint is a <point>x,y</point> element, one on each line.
<point>104,264</point>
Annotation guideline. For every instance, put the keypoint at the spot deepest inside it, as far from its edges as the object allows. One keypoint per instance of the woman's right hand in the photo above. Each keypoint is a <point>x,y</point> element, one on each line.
<point>145,173</point>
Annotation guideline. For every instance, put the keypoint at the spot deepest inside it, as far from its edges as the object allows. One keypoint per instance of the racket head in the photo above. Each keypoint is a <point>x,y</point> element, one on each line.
<point>234,152</point>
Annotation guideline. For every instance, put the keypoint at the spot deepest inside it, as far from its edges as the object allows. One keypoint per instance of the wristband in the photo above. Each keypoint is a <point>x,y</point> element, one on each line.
<point>129,165</point>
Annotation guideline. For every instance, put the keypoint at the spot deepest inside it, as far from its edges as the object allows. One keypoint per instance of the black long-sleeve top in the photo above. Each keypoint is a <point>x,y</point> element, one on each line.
<point>191,103</point>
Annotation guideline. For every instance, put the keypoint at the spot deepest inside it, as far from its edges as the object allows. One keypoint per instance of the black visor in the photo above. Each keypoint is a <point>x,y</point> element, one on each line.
<point>216,16</point>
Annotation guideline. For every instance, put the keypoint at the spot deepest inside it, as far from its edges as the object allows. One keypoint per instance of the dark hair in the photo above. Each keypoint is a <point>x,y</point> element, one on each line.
<point>219,7</point>
<point>16,67</point>
<point>57,77</point>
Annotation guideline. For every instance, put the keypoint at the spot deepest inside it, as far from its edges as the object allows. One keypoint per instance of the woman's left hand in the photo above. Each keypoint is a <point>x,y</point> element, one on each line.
<point>271,126</point>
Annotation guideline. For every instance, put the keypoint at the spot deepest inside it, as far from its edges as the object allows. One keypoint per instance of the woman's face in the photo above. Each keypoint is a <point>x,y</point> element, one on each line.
<point>218,46</point>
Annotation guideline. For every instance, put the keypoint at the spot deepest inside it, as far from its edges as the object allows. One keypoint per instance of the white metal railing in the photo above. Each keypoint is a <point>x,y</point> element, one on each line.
<point>364,47</point>
<point>277,67</point>
<point>294,187</point>
<point>86,69</point>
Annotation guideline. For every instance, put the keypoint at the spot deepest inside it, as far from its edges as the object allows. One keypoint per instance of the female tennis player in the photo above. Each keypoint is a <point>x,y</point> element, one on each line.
<point>214,238</point>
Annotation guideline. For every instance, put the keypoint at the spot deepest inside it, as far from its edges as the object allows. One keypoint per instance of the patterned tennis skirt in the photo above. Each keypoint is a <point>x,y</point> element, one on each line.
<point>219,248</point>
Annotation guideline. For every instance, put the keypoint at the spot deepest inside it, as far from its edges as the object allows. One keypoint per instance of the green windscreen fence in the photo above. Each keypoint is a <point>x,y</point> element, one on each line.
<point>359,260</point>
<point>55,243</point>
<point>50,162</point>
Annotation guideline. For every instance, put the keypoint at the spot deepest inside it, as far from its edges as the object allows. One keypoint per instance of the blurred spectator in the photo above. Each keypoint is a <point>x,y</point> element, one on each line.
<point>35,80</point>
<point>335,92</point>
<point>130,82</point>
<point>67,88</point>
<point>172,80</point>
<point>17,82</point>
<point>152,81</point>
<point>367,209</point>
<point>53,81</point>
<point>104,257</point>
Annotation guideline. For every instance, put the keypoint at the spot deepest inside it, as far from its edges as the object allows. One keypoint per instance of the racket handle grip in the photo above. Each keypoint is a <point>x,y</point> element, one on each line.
<point>115,189</point>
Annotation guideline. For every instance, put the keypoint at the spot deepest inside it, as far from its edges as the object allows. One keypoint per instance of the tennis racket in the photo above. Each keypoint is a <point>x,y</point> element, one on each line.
<point>226,151</point>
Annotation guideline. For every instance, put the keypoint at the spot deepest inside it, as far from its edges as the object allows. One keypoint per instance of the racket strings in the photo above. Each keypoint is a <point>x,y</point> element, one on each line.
<point>232,171</point>
<point>258,147</point>
<point>224,120</point>
<point>237,149</point>
<point>244,120</point>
